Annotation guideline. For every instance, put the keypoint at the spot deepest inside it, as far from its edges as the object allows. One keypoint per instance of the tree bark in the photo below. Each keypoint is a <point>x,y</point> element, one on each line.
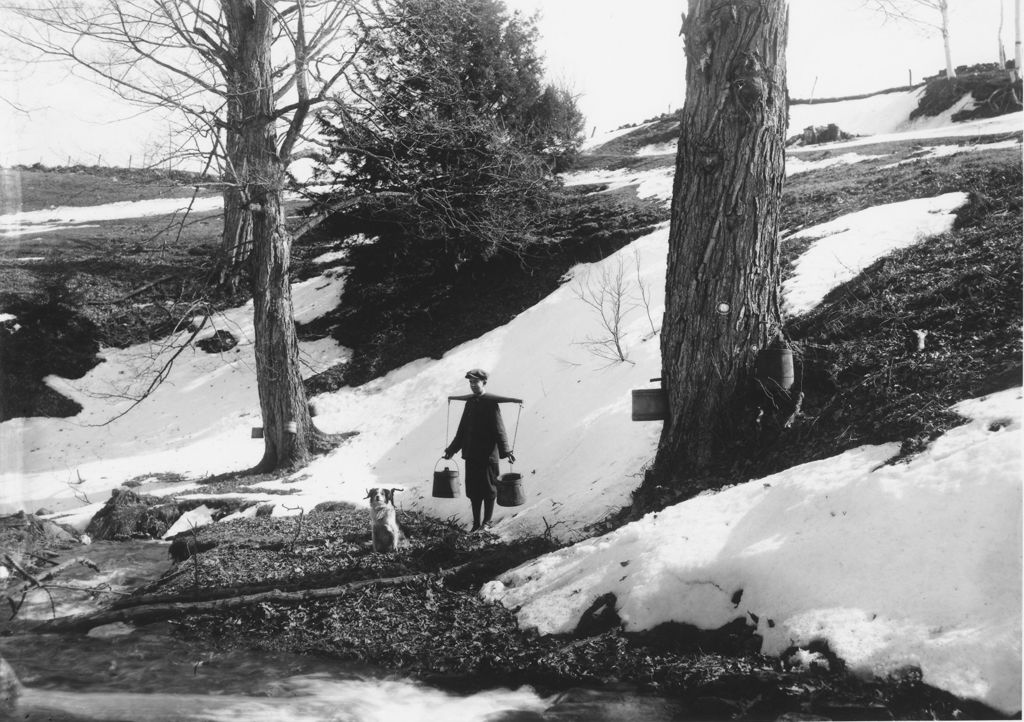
<point>289,435</point>
<point>944,10</point>
<point>722,283</point>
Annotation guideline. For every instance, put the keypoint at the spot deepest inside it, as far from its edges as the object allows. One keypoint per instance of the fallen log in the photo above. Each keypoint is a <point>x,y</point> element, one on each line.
<point>159,612</point>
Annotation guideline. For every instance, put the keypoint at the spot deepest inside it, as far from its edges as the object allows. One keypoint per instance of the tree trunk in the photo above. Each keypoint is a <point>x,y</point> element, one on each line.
<point>236,241</point>
<point>1018,56</point>
<point>288,431</point>
<point>944,9</point>
<point>722,283</point>
<point>236,236</point>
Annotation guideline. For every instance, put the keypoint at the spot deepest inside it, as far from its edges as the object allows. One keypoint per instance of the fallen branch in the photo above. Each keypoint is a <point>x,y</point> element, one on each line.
<point>128,295</point>
<point>37,581</point>
<point>147,614</point>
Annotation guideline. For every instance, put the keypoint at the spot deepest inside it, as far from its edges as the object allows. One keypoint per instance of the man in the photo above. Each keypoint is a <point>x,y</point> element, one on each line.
<point>482,439</point>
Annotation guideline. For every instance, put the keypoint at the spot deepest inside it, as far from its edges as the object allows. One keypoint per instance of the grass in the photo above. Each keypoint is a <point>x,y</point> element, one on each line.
<point>37,187</point>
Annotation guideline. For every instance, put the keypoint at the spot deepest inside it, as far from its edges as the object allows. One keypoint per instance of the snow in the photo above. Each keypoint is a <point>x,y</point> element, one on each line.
<point>899,564</point>
<point>330,257</point>
<point>942,151</point>
<point>892,564</point>
<point>850,243</point>
<point>654,183</point>
<point>874,115</point>
<point>22,222</point>
<point>665,148</point>
<point>196,423</point>
<point>193,519</point>
<point>1000,125</point>
<point>796,165</point>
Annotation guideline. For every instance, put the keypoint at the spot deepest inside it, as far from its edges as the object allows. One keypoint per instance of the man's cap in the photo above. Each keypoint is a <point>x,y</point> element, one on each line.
<point>478,374</point>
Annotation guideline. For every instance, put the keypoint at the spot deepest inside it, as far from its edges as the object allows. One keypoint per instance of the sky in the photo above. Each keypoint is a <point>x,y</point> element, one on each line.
<point>624,59</point>
<point>933,579</point>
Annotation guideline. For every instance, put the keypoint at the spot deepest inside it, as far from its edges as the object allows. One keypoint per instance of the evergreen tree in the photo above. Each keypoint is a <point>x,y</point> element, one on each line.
<point>450,122</point>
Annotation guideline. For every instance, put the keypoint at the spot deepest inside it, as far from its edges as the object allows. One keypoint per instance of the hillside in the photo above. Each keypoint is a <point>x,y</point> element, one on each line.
<point>917,227</point>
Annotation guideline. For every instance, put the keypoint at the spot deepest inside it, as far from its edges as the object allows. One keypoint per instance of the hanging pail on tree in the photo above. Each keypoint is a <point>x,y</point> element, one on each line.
<point>446,482</point>
<point>510,490</point>
<point>650,404</point>
<point>774,365</point>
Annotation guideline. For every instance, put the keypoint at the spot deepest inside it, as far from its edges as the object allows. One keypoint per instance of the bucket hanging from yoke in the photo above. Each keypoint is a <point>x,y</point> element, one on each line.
<point>446,482</point>
<point>510,490</point>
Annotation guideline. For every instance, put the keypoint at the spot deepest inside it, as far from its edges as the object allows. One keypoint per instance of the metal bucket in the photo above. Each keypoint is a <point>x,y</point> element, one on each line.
<point>446,483</point>
<point>510,490</point>
<point>774,368</point>
<point>650,405</point>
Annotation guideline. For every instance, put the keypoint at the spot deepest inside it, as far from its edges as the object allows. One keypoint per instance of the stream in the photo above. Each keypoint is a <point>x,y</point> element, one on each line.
<point>119,672</point>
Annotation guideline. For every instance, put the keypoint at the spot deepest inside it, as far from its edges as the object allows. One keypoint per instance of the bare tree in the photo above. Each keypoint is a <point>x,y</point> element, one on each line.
<point>932,14</point>
<point>243,77</point>
<point>722,283</point>
<point>607,292</point>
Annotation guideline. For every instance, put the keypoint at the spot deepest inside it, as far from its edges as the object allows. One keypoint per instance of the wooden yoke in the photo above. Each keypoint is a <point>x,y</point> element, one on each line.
<point>491,397</point>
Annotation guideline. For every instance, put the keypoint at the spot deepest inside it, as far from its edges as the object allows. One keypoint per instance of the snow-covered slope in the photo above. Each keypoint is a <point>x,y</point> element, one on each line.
<point>935,560</point>
<point>893,564</point>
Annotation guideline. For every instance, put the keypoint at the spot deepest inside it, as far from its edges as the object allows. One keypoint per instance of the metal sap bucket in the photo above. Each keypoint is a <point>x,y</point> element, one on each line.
<point>510,490</point>
<point>774,367</point>
<point>650,404</point>
<point>446,482</point>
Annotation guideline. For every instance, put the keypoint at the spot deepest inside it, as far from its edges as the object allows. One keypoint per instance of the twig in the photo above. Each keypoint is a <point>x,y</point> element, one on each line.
<point>136,292</point>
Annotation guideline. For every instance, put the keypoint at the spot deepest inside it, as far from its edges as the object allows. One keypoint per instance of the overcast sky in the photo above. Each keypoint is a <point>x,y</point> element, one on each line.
<point>625,59</point>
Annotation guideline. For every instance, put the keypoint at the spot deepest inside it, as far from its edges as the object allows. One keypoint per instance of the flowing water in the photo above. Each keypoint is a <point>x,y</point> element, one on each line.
<point>119,672</point>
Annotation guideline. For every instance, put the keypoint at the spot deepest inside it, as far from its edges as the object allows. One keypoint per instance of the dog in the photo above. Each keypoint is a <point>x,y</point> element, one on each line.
<point>387,536</point>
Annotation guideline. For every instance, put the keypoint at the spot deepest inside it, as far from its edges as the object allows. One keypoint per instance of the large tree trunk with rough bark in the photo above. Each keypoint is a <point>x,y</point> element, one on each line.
<point>722,283</point>
<point>288,432</point>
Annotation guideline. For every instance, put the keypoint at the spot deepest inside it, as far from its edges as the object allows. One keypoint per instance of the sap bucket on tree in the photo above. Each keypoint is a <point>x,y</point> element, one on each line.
<point>446,482</point>
<point>774,365</point>
<point>650,404</point>
<point>510,490</point>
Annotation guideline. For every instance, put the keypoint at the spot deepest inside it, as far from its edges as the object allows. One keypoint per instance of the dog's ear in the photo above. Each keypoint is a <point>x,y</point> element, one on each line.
<point>367,494</point>
<point>396,488</point>
<point>389,496</point>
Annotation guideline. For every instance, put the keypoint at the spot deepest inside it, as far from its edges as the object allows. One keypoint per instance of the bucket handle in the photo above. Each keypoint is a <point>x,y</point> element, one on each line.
<point>444,459</point>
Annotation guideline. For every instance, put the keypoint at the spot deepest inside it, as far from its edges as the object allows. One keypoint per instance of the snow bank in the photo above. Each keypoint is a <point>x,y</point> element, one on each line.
<point>796,165</point>
<point>849,244</point>
<point>874,115</point>
<point>653,183</point>
<point>913,563</point>
<point>16,224</point>
<point>196,423</point>
<point>943,151</point>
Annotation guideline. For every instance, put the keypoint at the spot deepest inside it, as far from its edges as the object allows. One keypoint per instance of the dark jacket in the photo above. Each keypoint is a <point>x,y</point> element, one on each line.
<point>481,433</point>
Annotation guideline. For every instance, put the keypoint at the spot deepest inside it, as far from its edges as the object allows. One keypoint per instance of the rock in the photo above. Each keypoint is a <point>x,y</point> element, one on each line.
<point>127,515</point>
<point>219,342</point>
<point>599,617</point>
<point>325,507</point>
<point>10,691</point>
<point>813,134</point>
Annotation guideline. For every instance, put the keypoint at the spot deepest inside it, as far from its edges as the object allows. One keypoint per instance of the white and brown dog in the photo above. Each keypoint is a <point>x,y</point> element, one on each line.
<point>387,537</point>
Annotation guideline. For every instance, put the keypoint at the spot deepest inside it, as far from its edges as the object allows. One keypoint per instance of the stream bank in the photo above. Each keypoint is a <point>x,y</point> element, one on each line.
<point>415,614</point>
